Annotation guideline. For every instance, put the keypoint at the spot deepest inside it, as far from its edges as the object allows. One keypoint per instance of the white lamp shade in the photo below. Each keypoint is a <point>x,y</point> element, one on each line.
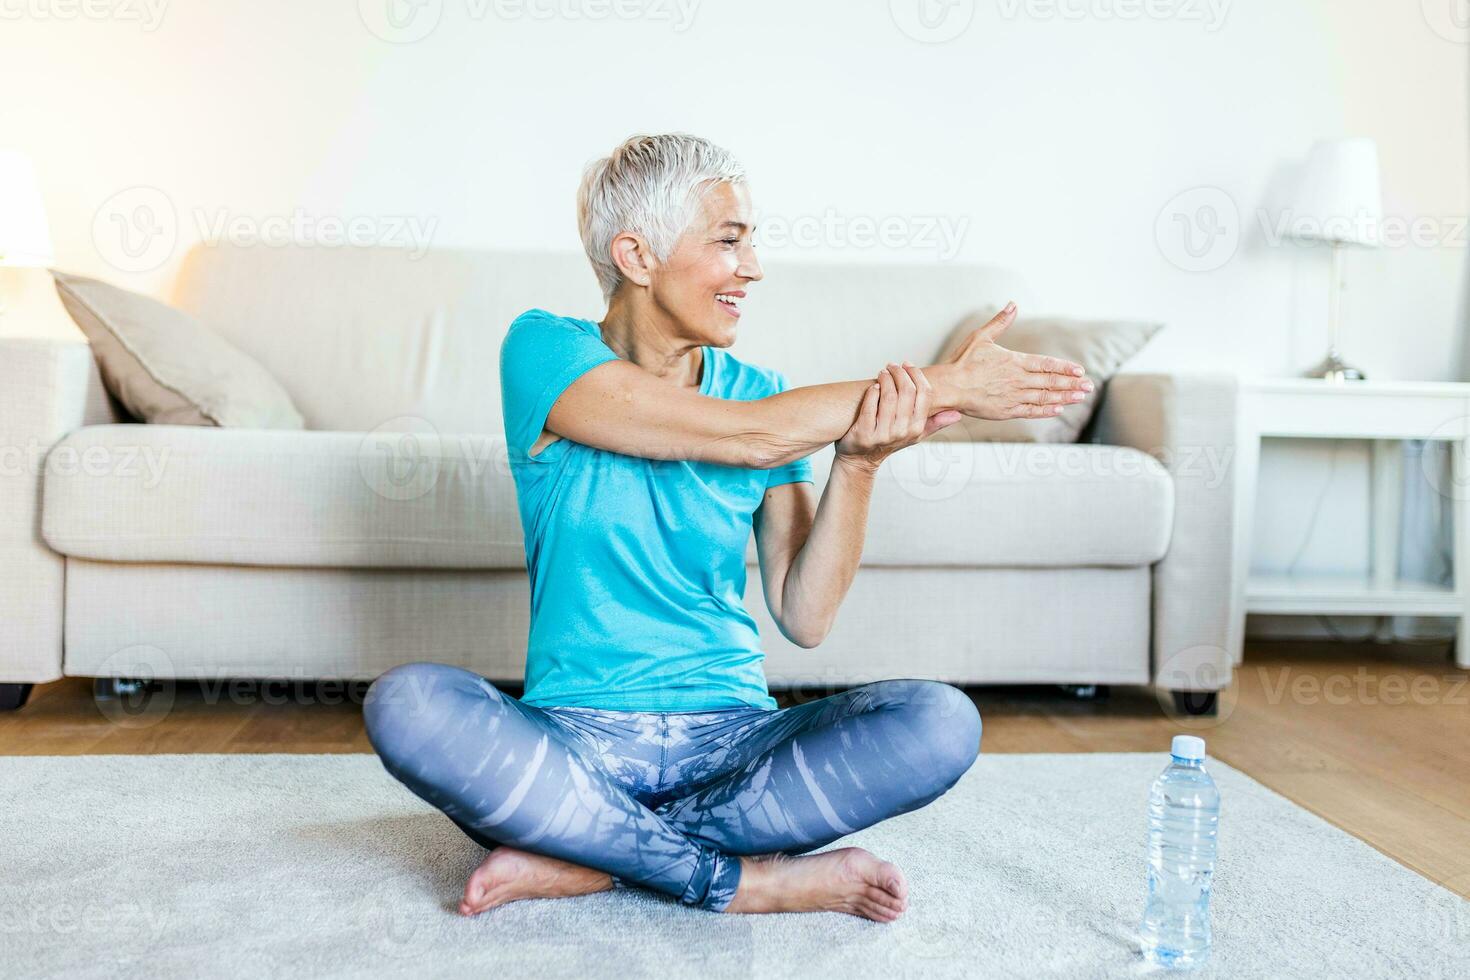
<point>1341,197</point>
<point>25,239</point>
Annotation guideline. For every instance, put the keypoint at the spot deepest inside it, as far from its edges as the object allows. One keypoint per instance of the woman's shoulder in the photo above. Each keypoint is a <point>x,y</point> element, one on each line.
<point>539,317</point>
<point>745,379</point>
<point>536,331</point>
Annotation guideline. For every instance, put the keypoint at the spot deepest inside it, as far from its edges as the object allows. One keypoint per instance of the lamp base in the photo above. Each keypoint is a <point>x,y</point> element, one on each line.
<point>1332,368</point>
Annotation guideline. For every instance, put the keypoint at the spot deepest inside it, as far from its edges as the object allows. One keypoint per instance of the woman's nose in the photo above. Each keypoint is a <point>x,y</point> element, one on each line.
<point>750,267</point>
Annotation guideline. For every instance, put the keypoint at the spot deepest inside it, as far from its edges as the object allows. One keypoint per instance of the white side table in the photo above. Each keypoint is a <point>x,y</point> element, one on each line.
<point>1385,413</point>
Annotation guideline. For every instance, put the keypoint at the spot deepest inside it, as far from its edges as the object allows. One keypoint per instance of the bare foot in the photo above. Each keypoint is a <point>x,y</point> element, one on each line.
<point>848,879</point>
<point>508,874</point>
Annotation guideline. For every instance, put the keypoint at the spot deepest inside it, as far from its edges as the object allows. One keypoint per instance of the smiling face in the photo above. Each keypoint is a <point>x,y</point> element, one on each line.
<point>701,285</point>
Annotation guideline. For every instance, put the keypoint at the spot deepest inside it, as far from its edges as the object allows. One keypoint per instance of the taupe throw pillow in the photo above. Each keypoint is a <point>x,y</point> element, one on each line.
<point>1101,346</point>
<point>165,367</point>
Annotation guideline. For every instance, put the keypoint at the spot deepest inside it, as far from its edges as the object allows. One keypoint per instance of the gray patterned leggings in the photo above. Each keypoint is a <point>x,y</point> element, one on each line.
<point>666,800</point>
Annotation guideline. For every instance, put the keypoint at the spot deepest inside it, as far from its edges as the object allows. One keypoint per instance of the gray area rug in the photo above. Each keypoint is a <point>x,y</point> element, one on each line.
<point>324,866</point>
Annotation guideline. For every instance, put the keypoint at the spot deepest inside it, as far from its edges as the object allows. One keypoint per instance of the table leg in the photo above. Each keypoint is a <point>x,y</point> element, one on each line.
<point>1247,464</point>
<point>1459,494</point>
<point>1388,505</point>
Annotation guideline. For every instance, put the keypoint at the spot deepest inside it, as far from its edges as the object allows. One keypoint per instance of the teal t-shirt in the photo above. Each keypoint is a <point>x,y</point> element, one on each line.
<point>637,566</point>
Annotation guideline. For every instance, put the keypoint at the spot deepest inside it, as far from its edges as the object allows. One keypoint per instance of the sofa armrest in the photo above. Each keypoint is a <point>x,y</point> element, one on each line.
<point>48,387</point>
<point>1188,423</point>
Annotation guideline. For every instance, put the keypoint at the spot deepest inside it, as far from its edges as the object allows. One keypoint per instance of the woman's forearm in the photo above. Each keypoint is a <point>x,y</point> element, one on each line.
<point>824,567</point>
<point>797,422</point>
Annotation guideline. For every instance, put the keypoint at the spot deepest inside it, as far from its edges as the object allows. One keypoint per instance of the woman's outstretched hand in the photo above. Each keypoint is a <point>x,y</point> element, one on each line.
<point>996,383</point>
<point>894,414</point>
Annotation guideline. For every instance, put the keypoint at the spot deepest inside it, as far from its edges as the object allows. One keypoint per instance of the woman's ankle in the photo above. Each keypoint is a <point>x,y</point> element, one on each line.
<point>754,892</point>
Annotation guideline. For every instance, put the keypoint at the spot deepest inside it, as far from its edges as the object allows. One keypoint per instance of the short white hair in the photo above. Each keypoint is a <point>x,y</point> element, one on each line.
<point>647,186</point>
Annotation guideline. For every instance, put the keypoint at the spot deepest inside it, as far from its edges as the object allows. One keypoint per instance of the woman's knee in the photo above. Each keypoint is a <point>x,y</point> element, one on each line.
<point>407,705</point>
<point>948,724</point>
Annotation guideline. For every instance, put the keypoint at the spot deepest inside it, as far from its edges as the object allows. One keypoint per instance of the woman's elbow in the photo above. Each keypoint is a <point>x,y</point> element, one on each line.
<point>804,635</point>
<point>766,452</point>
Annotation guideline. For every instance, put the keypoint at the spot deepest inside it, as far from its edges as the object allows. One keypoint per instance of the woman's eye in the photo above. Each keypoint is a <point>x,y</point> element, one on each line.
<point>730,241</point>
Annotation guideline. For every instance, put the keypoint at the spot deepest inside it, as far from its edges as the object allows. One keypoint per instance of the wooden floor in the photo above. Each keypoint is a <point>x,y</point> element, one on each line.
<point>1374,739</point>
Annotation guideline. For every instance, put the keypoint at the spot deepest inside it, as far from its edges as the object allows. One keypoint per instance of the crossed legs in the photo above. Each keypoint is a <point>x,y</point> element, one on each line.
<point>706,807</point>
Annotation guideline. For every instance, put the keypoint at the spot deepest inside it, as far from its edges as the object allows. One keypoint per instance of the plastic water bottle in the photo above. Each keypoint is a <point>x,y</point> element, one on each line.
<point>1183,814</point>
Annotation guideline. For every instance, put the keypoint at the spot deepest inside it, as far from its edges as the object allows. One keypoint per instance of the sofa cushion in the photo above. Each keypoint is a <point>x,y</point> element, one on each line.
<point>951,502</point>
<point>420,499</point>
<point>1101,346</point>
<point>411,499</point>
<point>166,368</point>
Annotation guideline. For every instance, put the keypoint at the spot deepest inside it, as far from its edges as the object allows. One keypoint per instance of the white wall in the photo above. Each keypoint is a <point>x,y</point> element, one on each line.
<point>1052,133</point>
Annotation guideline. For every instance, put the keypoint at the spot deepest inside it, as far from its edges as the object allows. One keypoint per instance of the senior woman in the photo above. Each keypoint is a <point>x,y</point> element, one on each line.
<point>646,750</point>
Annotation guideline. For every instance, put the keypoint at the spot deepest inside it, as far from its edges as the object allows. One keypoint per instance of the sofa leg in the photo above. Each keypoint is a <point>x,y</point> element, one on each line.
<point>1196,704</point>
<point>112,688</point>
<point>12,696</point>
<point>1087,692</point>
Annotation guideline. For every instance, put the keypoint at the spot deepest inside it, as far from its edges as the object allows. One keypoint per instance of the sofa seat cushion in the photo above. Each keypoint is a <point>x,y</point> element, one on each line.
<point>420,499</point>
<point>951,502</point>
<point>166,493</point>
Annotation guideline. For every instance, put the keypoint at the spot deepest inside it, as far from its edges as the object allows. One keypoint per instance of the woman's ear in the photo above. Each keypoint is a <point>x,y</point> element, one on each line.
<point>633,258</point>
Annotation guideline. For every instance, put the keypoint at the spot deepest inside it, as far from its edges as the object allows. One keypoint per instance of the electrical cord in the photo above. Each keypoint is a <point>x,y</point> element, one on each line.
<point>1324,620</point>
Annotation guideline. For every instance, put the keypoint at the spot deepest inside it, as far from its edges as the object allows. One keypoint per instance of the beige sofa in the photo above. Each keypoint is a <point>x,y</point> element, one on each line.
<point>388,532</point>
